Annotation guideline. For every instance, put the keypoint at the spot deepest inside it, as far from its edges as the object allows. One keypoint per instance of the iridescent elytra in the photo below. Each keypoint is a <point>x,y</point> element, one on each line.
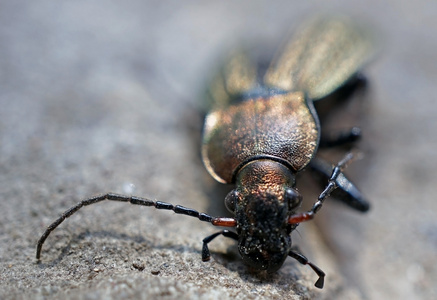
<point>262,129</point>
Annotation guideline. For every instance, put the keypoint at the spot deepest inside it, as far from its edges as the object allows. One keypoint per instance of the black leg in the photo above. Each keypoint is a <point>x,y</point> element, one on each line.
<point>340,138</point>
<point>332,182</point>
<point>304,261</point>
<point>330,187</point>
<point>358,83</point>
<point>205,250</point>
<point>347,192</point>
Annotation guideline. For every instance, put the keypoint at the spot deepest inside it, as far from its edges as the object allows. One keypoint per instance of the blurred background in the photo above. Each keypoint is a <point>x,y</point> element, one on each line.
<point>99,96</point>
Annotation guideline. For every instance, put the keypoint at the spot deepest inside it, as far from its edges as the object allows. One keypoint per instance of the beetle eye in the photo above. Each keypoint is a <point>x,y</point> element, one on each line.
<point>231,200</point>
<point>294,198</point>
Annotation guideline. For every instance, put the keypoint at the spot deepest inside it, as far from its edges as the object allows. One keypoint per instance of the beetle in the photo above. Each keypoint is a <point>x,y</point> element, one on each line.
<point>262,129</point>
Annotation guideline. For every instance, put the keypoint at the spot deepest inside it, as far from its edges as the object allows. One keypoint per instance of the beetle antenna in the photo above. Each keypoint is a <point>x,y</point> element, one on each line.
<point>330,187</point>
<point>216,221</point>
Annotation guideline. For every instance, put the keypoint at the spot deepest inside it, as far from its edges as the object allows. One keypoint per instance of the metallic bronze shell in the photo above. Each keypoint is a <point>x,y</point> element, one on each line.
<point>275,118</point>
<point>281,126</point>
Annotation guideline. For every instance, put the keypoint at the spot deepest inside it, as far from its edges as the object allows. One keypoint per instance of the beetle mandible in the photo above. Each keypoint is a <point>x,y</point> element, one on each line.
<point>262,130</point>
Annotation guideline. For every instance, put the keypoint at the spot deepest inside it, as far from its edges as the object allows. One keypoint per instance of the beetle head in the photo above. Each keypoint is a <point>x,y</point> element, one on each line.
<point>262,202</point>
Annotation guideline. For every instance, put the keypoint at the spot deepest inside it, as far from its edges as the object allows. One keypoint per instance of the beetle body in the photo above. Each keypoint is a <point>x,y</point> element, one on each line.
<point>259,144</point>
<point>261,130</point>
<point>260,133</point>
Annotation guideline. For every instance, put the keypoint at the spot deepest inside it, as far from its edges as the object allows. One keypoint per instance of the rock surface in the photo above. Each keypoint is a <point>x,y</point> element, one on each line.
<point>101,96</point>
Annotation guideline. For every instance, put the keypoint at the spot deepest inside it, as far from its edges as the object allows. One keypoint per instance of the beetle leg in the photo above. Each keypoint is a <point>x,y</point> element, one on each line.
<point>340,138</point>
<point>304,261</point>
<point>205,250</point>
<point>330,187</point>
<point>347,192</point>
<point>332,182</point>
<point>358,83</point>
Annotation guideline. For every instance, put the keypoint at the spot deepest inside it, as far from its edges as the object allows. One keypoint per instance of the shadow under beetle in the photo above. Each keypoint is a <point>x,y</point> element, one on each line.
<point>262,129</point>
